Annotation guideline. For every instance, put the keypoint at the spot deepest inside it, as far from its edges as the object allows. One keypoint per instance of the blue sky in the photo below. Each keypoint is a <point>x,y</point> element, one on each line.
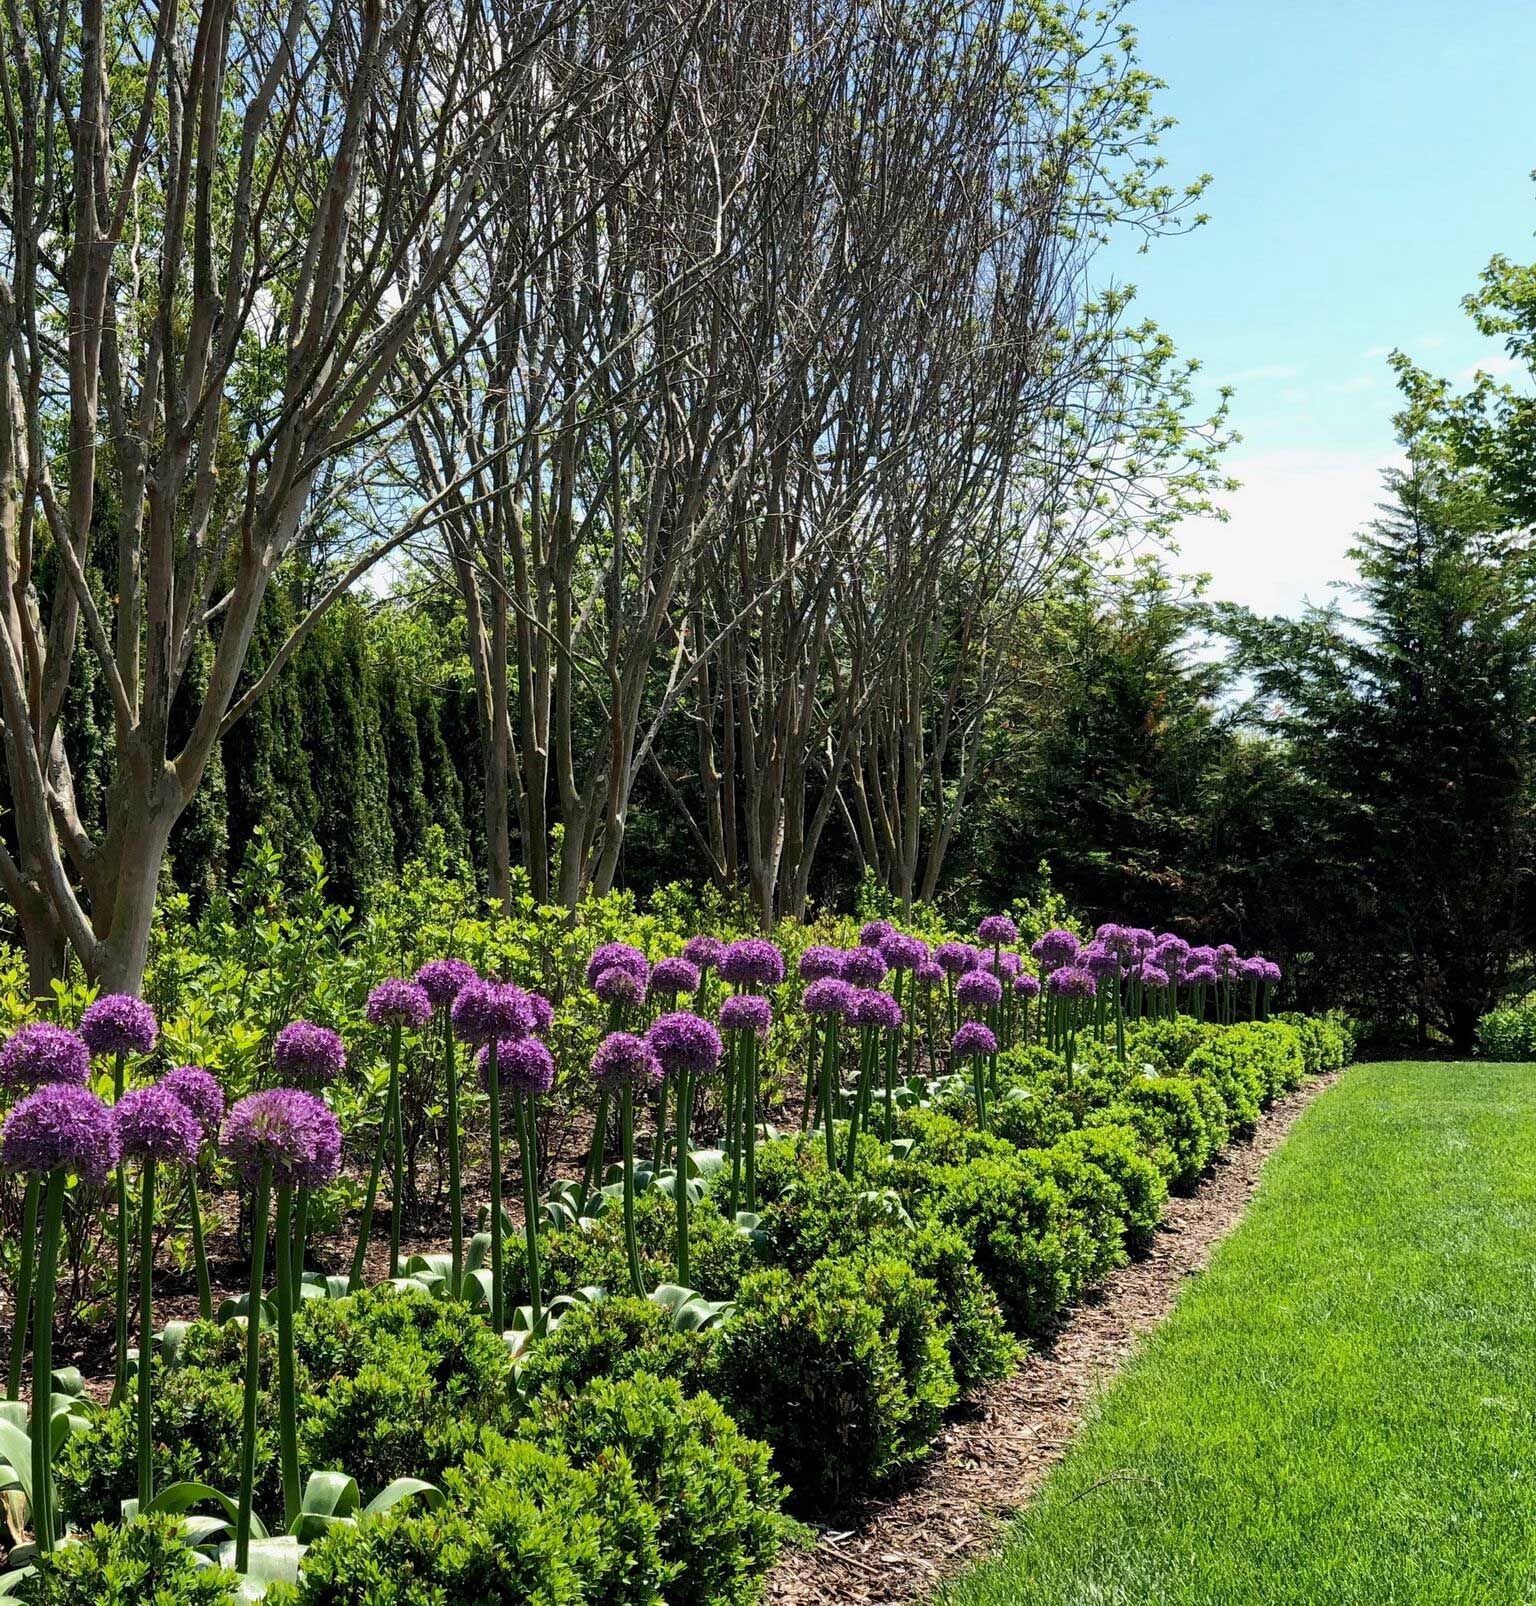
<point>1368,156</point>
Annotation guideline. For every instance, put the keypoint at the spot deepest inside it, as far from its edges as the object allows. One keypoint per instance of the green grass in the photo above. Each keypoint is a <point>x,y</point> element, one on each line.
<point>1341,1408</point>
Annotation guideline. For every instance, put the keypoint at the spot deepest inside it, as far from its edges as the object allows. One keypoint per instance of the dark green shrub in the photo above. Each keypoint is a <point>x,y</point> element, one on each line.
<point>1165,1110</point>
<point>614,1337</point>
<point>144,1563</point>
<point>843,1372</point>
<point>1096,1206</point>
<point>712,1488</point>
<point>1029,1117</point>
<point>943,1140</point>
<point>1141,1190</point>
<point>980,1346</point>
<point>1166,1043</point>
<point>1213,1111</point>
<point>1242,1084</point>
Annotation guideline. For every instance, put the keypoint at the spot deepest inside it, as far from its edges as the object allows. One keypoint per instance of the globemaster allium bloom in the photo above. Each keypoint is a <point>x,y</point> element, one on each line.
<point>864,967</point>
<point>524,1064</point>
<point>674,976</point>
<point>1055,949</point>
<point>1099,961</point>
<point>119,1024</point>
<point>828,995</point>
<point>618,956</point>
<point>819,962</point>
<point>287,1129</point>
<point>902,952</point>
<point>442,980</point>
<point>41,1052</point>
<point>705,952</point>
<point>310,1055</point>
<point>623,1058</point>
<point>973,1039</point>
<point>491,1011</point>
<point>955,958</point>
<point>752,962</point>
<point>930,974</point>
<point>874,932</point>
<point>1001,962</point>
<point>60,1127</point>
<point>997,930</point>
<point>1026,986</point>
<point>153,1124</point>
<point>204,1098</point>
<point>1071,981</point>
<point>617,986</point>
<point>399,1003</point>
<point>684,1042</point>
<point>978,991</point>
<point>746,1012</point>
<point>869,1007</point>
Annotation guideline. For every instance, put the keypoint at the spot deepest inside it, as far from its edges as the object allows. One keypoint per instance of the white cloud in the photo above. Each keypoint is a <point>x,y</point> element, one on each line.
<point>1497,367</point>
<point>1288,528</point>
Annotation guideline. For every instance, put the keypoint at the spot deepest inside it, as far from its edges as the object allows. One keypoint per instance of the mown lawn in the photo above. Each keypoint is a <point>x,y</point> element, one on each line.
<point>1343,1408</point>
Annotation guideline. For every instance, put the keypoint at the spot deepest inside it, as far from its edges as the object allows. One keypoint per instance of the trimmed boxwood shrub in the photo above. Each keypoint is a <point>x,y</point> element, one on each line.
<point>1096,1205</point>
<point>1139,1185</point>
<point>141,1563</point>
<point>980,1345</point>
<point>1165,1111</point>
<point>614,1337</point>
<point>711,1487</point>
<point>843,1372</point>
<point>1242,1084</point>
<point>1029,1117</point>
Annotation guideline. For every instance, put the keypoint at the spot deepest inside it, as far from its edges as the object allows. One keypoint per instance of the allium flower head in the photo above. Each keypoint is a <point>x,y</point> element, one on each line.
<point>1271,973</point>
<point>752,962</point>
<point>1118,940</point>
<point>705,952</point>
<point>996,930</point>
<point>674,976</point>
<point>973,1040</point>
<point>1026,986</point>
<point>902,952</point>
<point>541,1012</point>
<point>819,961</point>
<point>1099,960</point>
<point>201,1094</point>
<point>956,957</point>
<point>308,1054</point>
<point>523,1065</point>
<point>746,1012</point>
<point>870,1007</point>
<point>1001,962</point>
<point>618,956</point>
<point>863,967</point>
<point>119,1024</point>
<point>1201,976</point>
<point>1072,981</point>
<point>1151,975</point>
<point>622,1057</point>
<point>1055,948</point>
<point>1255,970</point>
<point>60,1127</point>
<point>486,1010</point>
<point>874,932</point>
<point>153,1124</point>
<point>929,974</point>
<point>399,1003</point>
<point>619,986</point>
<point>827,995</point>
<point>683,1041</point>
<point>442,980</point>
<point>41,1052</point>
<point>290,1130</point>
<point>977,991</point>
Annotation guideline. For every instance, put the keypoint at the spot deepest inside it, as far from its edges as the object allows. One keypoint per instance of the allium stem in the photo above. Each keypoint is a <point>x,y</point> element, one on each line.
<point>594,1172</point>
<point>28,1251</point>
<point>397,1170</point>
<point>120,1184</point>
<point>527,1145</point>
<point>627,1137</point>
<point>660,1149</point>
<point>259,1206</point>
<point>199,1247</point>
<point>733,1101</point>
<point>42,1364</point>
<point>1120,1018</point>
<point>680,1175</point>
<point>287,1404</point>
<point>300,1236</point>
<point>498,1226</point>
<point>370,1198</point>
<point>146,1331</point>
<point>752,1049</point>
<point>455,1175</point>
<point>812,1076</point>
<point>829,1058</point>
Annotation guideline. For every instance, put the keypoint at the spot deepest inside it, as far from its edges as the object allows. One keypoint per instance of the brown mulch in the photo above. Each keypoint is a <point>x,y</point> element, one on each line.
<point>994,1455</point>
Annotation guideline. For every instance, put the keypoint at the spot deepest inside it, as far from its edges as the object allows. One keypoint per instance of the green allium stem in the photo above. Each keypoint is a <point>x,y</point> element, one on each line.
<point>455,1174</point>
<point>252,1368</point>
<point>287,1401</point>
<point>120,1184</point>
<point>680,1175</point>
<point>828,1091</point>
<point>199,1246</point>
<point>627,1137</point>
<point>753,1070</point>
<point>812,1068</point>
<point>43,1525</point>
<point>146,1331</point>
<point>397,1169</point>
<point>527,1145</point>
<point>498,1226</point>
<point>371,1197</point>
<point>594,1171</point>
<point>28,1254</point>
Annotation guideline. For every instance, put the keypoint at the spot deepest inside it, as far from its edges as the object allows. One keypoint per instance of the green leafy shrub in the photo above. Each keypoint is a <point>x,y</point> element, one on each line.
<point>843,1372</point>
<point>141,1563</point>
<point>1029,1117</point>
<point>1242,1083</point>
<point>1165,1111</point>
<point>712,1488</point>
<point>614,1337</point>
<point>1167,1043</point>
<point>1139,1185</point>
<point>979,1343</point>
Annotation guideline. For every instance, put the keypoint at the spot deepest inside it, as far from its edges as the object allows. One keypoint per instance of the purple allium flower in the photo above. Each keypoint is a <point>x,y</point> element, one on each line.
<point>996,930</point>
<point>746,1012</point>
<point>1099,960</point>
<point>153,1124</point>
<point>1201,956</point>
<point>1055,948</point>
<point>1140,939</point>
<point>119,1024</point>
<point>1151,975</point>
<point>1072,981</point>
<point>442,980</point>
<point>1201,976</point>
<point>399,1003</point>
<point>305,1053</point>
<point>491,1009</point>
<point>618,956</point>
<point>201,1094</point>
<point>956,957</point>
<point>683,1041</point>
<point>1255,970</point>
<point>290,1130</point>
<point>868,1006</point>
<point>41,1052</point>
<point>1271,973</point>
<point>752,962</point>
<point>618,986</point>
<point>973,1040</point>
<point>1001,962</point>
<point>622,1057</point>
<point>1118,940</point>
<point>674,976</point>
<point>827,995</point>
<point>1169,955</point>
<point>902,952</point>
<point>541,1012</point>
<point>874,932</point>
<point>978,990</point>
<point>819,962</point>
<point>930,974</point>
<point>705,952</point>
<point>1026,986</point>
<point>523,1065</point>
<point>60,1127</point>
<point>863,967</point>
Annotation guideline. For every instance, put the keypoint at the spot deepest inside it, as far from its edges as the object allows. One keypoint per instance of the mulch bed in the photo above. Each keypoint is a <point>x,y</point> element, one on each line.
<point>997,1451</point>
